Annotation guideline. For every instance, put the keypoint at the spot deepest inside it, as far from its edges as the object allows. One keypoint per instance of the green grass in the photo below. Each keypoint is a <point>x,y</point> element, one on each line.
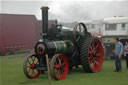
<point>11,73</point>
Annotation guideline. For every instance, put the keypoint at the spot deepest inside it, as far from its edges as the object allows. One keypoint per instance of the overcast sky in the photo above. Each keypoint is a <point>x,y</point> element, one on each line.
<point>67,10</point>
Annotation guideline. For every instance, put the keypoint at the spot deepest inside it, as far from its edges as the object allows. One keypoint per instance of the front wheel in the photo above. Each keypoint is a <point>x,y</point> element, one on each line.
<point>29,67</point>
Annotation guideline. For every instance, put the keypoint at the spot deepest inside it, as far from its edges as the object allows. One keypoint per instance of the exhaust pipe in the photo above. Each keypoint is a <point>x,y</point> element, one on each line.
<point>44,21</point>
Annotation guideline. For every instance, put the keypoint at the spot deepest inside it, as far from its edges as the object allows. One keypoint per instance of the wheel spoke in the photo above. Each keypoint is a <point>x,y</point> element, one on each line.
<point>62,71</point>
<point>98,54</point>
<point>62,64</point>
<point>29,62</point>
<point>37,62</point>
<point>96,65</point>
<point>59,61</point>
<point>32,72</point>
<point>34,59</point>
<point>89,57</point>
<point>96,62</point>
<point>90,52</point>
<point>97,59</point>
<point>29,70</point>
<point>98,50</point>
<point>91,60</point>
<point>58,73</point>
<point>95,47</point>
<point>28,66</point>
<point>92,44</point>
<point>90,48</point>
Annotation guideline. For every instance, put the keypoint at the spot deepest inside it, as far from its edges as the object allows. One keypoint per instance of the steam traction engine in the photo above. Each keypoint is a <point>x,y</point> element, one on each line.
<point>65,49</point>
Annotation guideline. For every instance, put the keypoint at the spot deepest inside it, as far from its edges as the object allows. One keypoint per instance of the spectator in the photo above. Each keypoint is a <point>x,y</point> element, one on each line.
<point>126,53</point>
<point>118,53</point>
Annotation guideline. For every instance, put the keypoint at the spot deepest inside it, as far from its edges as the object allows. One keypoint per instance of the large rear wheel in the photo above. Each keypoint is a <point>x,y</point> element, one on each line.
<point>91,54</point>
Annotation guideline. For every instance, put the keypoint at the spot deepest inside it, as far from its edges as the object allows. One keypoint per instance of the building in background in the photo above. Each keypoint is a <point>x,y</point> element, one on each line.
<point>94,26</point>
<point>19,32</point>
<point>112,28</point>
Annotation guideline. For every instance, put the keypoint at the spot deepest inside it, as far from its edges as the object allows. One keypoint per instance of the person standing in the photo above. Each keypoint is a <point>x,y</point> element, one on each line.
<point>118,54</point>
<point>126,53</point>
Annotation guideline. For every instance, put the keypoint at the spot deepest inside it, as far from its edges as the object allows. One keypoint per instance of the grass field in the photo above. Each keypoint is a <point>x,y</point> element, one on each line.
<point>11,73</point>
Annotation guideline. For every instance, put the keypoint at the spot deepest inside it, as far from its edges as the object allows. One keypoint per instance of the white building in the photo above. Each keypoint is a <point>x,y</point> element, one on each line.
<point>94,26</point>
<point>116,26</point>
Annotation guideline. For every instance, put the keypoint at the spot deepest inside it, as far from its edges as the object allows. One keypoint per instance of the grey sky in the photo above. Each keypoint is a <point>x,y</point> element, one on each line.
<point>67,11</point>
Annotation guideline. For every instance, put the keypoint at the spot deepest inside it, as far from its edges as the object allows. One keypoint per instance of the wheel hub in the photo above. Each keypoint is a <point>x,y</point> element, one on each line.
<point>91,53</point>
<point>61,67</point>
<point>32,66</point>
<point>94,54</point>
<point>58,66</point>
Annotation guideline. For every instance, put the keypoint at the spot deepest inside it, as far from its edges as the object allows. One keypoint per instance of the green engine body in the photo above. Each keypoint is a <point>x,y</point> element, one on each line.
<point>54,47</point>
<point>65,46</point>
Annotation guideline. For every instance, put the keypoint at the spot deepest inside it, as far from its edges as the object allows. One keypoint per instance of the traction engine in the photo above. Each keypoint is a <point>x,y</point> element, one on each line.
<point>65,48</point>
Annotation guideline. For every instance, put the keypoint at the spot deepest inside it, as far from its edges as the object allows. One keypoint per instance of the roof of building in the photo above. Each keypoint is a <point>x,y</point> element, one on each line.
<point>116,20</point>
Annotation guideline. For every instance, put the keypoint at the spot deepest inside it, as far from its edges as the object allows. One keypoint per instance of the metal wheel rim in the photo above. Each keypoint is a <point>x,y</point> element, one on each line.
<point>95,55</point>
<point>60,67</point>
<point>30,70</point>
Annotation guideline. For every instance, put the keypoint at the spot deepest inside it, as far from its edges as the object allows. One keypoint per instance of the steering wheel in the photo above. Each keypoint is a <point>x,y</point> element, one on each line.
<point>80,29</point>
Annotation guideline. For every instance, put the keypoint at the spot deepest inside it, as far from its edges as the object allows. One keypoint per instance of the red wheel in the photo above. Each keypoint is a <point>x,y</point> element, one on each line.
<point>95,56</point>
<point>91,54</point>
<point>30,64</point>
<point>59,67</point>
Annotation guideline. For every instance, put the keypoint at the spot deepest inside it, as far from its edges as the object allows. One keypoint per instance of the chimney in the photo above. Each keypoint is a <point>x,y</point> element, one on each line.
<point>44,21</point>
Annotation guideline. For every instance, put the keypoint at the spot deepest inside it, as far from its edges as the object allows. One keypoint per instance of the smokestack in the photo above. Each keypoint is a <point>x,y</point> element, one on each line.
<point>44,21</point>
